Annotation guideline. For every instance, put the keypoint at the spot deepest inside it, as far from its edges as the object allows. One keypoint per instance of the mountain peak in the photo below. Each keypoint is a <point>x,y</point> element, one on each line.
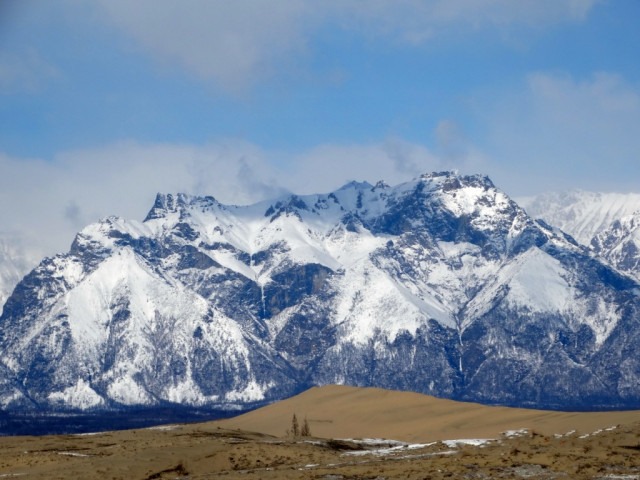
<point>452,180</point>
<point>356,185</point>
<point>175,203</point>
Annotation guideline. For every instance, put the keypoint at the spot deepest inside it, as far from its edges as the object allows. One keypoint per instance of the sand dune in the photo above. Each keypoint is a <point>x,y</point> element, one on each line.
<point>350,412</point>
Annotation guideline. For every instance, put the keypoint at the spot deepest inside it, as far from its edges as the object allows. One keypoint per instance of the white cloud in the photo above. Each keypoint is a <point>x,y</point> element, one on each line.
<point>48,202</point>
<point>329,166</point>
<point>457,151</point>
<point>496,12</point>
<point>231,43</point>
<point>555,132</point>
<point>418,21</point>
<point>26,72</point>
<point>235,44</point>
<point>562,131</point>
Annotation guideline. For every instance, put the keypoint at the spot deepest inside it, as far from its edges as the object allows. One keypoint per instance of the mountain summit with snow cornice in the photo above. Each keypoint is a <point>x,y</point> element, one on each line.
<point>441,285</point>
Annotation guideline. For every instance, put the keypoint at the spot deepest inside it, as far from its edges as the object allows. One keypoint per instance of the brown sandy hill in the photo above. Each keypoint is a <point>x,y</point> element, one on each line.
<point>351,412</point>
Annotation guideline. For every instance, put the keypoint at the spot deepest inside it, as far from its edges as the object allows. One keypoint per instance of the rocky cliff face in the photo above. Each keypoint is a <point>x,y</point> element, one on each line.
<point>441,285</point>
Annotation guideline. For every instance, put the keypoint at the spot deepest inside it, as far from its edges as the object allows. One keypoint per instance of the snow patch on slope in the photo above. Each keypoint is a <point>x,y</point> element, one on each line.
<point>539,283</point>
<point>127,391</point>
<point>80,396</point>
<point>534,281</point>
<point>363,307</point>
<point>254,392</point>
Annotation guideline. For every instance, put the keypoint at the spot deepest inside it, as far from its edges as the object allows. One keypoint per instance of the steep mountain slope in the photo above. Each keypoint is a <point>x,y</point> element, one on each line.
<point>620,244</point>
<point>441,285</point>
<point>582,214</point>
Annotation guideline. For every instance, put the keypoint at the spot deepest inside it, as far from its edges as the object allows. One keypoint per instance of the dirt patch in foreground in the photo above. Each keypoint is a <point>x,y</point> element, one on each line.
<point>206,451</point>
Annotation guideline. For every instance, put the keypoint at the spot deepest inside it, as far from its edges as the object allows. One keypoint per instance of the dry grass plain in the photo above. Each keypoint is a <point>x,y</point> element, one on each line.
<point>254,446</point>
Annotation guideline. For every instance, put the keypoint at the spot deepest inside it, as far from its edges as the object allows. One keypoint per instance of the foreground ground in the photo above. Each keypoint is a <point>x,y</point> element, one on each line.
<point>431,433</point>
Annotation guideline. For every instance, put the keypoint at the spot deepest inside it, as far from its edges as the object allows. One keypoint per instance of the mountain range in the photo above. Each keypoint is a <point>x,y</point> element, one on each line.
<point>440,285</point>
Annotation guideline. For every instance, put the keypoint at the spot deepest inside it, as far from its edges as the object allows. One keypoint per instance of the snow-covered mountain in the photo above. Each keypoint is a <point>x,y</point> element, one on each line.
<point>441,285</point>
<point>620,244</point>
<point>606,222</point>
<point>580,213</point>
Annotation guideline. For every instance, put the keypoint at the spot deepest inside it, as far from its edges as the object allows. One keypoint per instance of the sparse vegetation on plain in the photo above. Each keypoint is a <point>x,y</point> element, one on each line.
<point>602,445</point>
<point>297,431</point>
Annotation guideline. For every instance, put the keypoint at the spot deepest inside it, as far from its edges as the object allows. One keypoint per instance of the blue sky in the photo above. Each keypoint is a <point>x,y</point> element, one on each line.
<point>105,102</point>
